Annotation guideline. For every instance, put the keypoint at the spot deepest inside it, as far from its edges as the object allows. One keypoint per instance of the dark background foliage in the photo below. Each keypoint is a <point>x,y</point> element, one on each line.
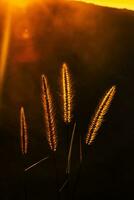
<point>98,45</point>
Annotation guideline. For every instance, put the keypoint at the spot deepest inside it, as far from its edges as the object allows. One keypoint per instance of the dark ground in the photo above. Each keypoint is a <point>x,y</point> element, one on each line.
<point>98,45</point>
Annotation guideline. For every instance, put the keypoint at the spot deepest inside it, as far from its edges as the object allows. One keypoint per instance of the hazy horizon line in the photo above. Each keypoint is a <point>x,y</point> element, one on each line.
<point>104,4</point>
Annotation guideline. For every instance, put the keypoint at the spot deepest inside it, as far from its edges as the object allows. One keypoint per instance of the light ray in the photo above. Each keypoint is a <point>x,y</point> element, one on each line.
<point>5,47</point>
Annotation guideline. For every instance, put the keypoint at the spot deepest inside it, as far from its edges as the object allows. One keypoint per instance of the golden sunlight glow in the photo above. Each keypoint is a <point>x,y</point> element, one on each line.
<point>128,4</point>
<point>4,48</point>
<point>19,3</point>
<point>25,35</point>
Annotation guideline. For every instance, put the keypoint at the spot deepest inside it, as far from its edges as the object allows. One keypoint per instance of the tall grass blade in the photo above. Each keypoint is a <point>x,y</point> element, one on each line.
<point>36,164</point>
<point>70,150</point>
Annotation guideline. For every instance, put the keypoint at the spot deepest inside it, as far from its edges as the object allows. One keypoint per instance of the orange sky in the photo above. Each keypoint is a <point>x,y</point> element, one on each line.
<point>129,4</point>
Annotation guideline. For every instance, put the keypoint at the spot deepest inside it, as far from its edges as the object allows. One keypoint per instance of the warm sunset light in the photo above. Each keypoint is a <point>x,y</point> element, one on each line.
<point>20,3</point>
<point>12,5</point>
<point>4,47</point>
<point>128,4</point>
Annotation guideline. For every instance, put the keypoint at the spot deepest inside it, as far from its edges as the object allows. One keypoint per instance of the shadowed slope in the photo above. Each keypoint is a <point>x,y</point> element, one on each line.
<point>98,45</point>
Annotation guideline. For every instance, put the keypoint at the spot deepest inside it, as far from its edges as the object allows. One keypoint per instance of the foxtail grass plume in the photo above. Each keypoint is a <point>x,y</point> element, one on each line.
<point>99,115</point>
<point>49,115</point>
<point>23,132</point>
<point>67,93</point>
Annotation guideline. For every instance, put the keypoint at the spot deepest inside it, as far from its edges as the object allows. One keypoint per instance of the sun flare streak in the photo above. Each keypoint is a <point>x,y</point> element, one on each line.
<point>5,47</point>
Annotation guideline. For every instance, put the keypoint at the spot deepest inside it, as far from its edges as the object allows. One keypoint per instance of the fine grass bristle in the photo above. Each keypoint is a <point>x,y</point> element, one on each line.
<point>23,132</point>
<point>67,93</point>
<point>49,115</point>
<point>99,115</point>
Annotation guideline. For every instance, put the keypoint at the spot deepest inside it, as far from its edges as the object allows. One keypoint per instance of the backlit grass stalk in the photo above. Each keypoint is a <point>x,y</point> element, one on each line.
<point>67,93</point>
<point>49,115</point>
<point>81,152</point>
<point>93,129</point>
<point>23,132</point>
<point>70,150</point>
<point>36,164</point>
<point>99,115</point>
